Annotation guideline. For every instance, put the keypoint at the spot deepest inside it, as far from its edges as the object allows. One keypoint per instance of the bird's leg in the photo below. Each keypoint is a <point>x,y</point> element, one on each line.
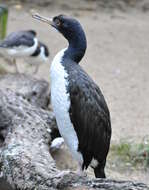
<point>14,62</point>
<point>80,171</point>
<point>36,69</point>
<point>6,59</point>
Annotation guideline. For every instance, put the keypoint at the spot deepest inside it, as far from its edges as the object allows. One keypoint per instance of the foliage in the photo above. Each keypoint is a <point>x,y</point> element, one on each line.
<point>132,154</point>
<point>3,21</point>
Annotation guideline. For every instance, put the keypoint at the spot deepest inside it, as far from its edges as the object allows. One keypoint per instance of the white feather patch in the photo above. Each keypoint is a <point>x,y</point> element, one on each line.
<point>61,103</point>
<point>22,50</point>
<point>57,143</point>
<point>94,163</point>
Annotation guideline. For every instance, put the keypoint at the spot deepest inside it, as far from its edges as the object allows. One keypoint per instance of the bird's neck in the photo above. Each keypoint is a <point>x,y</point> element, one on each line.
<point>76,48</point>
<point>36,52</point>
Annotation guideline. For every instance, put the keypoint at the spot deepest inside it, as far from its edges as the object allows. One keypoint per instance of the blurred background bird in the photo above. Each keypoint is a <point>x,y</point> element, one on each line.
<point>24,44</point>
<point>40,55</point>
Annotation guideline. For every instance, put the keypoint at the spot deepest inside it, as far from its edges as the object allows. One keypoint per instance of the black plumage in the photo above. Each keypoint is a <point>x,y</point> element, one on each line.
<point>21,38</point>
<point>88,110</point>
<point>38,50</point>
<point>46,49</point>
<point>90,116</point>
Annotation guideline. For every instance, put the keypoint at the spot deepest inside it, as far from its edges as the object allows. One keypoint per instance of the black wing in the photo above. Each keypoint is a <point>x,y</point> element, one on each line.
<point>15,39</point>
<point>90,116</point>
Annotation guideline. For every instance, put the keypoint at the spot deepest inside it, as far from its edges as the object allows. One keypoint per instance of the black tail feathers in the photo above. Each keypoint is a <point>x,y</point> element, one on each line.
<point>99,171</point>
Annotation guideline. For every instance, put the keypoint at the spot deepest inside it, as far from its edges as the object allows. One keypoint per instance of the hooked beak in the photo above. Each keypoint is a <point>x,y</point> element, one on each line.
<point>43,19</point>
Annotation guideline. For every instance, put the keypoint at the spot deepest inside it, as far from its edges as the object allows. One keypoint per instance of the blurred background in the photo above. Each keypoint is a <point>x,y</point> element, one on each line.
<point>117,58</point>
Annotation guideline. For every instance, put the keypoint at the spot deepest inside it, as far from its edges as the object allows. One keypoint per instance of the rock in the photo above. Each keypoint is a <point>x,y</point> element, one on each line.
<point>25,160</point>
<point>34,90</point>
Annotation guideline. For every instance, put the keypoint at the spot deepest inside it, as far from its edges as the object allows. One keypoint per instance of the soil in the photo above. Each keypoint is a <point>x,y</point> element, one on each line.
<point>116,58</point>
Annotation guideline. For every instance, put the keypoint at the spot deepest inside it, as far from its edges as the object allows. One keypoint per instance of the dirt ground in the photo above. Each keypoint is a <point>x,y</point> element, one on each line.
<point>117,58</point>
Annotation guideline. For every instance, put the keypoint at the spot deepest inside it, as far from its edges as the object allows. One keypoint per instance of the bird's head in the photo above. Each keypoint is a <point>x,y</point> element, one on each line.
<point>72,30</point>
<point>67,26</point>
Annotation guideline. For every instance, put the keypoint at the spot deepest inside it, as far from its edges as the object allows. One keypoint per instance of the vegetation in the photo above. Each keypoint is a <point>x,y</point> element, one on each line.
<point>131,154</point>
<point>3,21</point>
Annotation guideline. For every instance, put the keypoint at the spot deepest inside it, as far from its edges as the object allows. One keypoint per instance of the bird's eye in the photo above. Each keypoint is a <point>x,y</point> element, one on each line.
<point>57,22</point>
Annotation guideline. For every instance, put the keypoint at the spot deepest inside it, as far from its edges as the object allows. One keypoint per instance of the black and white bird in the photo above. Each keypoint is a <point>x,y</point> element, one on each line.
<point>40,55</point>
<point>24,44</point>
<point>81,112</point>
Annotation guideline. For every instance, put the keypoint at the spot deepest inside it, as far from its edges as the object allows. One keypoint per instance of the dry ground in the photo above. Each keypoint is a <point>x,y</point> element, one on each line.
<point>117,58</point>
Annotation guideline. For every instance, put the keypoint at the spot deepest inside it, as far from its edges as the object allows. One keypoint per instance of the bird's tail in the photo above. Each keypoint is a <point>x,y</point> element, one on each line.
<point>99,171</point>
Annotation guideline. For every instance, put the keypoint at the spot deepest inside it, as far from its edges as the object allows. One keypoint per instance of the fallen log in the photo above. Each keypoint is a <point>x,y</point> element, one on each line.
<point>33,90</point>
<point>25,160</point>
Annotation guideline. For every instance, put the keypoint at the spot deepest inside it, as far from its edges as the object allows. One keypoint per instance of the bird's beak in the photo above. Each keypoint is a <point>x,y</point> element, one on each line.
<point>43,19</point>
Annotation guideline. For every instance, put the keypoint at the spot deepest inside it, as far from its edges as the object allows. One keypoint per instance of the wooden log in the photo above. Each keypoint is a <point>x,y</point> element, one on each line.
<point>25,160</point>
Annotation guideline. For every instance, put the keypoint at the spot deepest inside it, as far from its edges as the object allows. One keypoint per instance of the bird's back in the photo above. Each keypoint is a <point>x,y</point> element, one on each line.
<point>20,43</point>
<point>19,38</point>
<point>89,114</point>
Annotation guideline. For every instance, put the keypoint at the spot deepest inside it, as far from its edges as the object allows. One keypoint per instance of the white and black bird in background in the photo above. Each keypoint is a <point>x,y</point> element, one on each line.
<point>81,111</point>
<point>24,44</point>
<point>40,55</point>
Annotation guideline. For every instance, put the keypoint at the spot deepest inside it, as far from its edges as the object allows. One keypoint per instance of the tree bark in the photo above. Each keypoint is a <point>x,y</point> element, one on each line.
<point>25,159</point>
<point>33,90</point>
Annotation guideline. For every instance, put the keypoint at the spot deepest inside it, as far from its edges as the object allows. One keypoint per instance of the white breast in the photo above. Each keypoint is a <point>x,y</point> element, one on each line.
<point>22,50</point>
<point>61,103</point>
